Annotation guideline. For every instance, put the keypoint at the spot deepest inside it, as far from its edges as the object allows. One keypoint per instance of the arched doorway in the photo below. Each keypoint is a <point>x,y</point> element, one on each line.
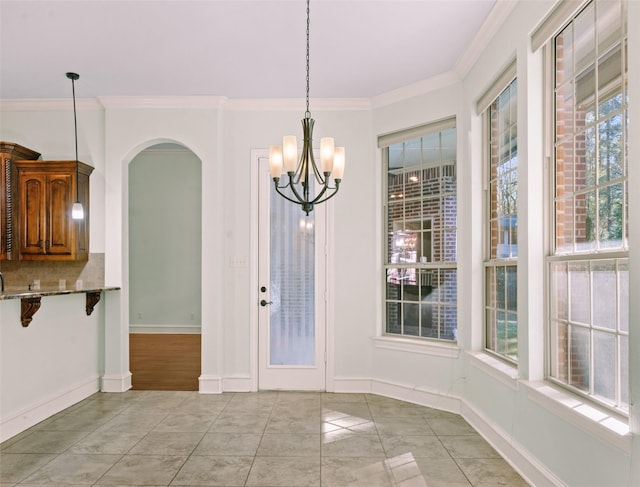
<point>165,201</point>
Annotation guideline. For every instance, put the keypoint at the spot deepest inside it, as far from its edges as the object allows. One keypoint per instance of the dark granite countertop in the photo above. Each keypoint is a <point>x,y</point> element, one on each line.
<point>26,293</point>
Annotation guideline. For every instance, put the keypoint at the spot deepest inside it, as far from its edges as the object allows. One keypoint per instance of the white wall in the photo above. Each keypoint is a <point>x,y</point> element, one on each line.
<point>53,363</point>
<point>257,127</point>
<point>165,218</point>
<point>132,125</point>
<point>529,423</point>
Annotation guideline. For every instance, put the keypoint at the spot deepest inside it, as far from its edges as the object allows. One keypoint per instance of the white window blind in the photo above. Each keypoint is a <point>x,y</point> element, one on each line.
<point>501,82</point>
<point>553,22</point>
<point>410,133</point>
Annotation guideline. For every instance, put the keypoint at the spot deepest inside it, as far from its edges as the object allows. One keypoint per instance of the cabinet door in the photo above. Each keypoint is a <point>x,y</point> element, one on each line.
<point>47,190</point>
<point>59,222</point>
<point>82,226</point>
<point>32,213</point>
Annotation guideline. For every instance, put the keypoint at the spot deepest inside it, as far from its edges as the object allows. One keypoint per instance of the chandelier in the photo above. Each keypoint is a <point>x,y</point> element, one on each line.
<point>300,172</point>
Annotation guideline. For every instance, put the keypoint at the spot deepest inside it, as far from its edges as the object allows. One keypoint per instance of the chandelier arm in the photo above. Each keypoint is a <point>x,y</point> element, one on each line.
<point>307,159</point>
<point>303,164</point>
<point>335,192</point>
<point>301,199</point>
<point>316,171</point>
<point>278,188</point>
<point>301,169</point>
<point>324,190</point>
<point>276,181</point>
<point>315,200</point>
<point>307,150</point>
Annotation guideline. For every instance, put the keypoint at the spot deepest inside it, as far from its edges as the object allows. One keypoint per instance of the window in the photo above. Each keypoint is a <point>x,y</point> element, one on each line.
<point>501,269</point>
<point>420,219</point>
<point>588,267</point>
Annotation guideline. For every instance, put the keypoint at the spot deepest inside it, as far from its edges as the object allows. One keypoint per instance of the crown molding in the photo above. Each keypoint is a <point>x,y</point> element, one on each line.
<point>47,104</point>
<point>186,102</point>
<point>162,102</point>
<point>415,89</point>
<point>297,104</point>
<point>499,13</point>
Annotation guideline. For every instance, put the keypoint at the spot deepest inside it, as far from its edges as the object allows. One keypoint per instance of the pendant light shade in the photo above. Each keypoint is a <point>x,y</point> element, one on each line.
<point>77,211</point>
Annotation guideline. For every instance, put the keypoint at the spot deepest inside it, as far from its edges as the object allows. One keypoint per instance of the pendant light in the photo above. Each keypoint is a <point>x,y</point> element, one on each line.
<point>299,175</point>
<point>77,212</point>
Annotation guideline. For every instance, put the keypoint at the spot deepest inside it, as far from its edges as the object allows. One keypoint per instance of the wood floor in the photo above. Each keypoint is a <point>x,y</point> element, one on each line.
<point>164,362</point>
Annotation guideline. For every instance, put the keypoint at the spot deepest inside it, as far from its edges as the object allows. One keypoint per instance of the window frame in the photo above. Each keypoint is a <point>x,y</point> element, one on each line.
<point>504,82</point>
<point>590,257</point>
<point>421,267</point>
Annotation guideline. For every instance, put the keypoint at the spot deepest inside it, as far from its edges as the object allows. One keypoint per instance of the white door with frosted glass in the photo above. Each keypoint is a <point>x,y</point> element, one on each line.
<point>291,291</point>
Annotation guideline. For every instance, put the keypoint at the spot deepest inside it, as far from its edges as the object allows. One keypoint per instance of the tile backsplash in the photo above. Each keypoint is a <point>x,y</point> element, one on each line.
<point>19,274</point>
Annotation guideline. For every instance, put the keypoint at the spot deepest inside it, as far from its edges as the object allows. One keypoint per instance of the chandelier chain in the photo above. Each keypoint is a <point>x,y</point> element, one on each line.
<point>307,113</point>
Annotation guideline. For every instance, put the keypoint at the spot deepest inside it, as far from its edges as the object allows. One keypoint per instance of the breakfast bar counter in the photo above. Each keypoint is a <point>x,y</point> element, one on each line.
<point>31,299</point>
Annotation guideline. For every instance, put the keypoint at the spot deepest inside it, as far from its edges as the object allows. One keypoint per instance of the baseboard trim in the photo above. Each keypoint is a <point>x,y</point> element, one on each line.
<point>352,384</point>
<point>526,464</point>
<point>417,395</point>
<point>210,384</point>
<point>116,383</point>
<point>166,329</point>
<point>514,453</point>
<point>237,384</point>
<point>34,413</point>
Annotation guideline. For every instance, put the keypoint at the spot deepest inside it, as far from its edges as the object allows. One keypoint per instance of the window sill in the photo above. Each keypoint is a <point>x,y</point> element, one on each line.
<point>598,421</point>
<point>496,368</point>
<point>418,345</point>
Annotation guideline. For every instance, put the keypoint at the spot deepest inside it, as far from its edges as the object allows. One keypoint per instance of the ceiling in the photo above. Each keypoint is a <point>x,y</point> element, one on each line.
<point>232,48</point>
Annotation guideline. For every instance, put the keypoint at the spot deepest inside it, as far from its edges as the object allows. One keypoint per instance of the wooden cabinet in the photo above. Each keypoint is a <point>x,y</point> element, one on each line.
<point>9,152</point>
<point>46,191</point>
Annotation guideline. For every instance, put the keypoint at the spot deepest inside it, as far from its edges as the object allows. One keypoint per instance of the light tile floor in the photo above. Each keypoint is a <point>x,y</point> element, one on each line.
<point>251,439</point>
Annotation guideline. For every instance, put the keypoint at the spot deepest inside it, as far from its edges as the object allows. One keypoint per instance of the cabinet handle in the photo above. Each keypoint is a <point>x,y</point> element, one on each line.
<point>47,244</point>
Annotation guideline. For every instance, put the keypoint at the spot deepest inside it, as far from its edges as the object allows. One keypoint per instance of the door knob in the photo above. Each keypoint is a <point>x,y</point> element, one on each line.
<point>264,302</point>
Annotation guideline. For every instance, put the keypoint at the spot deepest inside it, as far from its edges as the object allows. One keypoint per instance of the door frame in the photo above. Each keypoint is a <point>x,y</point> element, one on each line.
<point>258,155</point>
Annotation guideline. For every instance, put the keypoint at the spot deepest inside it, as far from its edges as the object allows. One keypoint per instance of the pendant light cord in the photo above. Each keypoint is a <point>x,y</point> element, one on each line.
<point>307,113</point>
<point>75,126</point>
<point>75,121</point>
